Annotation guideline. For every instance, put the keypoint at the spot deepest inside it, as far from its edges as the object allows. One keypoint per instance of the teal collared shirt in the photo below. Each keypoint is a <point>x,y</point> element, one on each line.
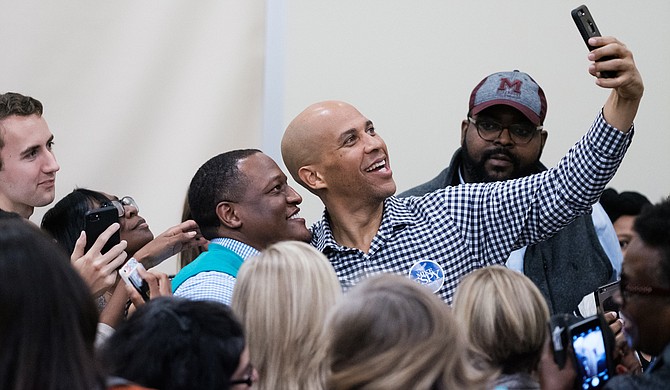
<point>223,255</point>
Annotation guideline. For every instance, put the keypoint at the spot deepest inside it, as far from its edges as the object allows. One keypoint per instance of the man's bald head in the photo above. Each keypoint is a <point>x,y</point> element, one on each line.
<point>304,136</point>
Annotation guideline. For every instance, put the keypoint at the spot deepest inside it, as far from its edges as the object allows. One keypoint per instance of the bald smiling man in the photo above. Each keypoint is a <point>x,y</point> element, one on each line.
<point>334,151</point>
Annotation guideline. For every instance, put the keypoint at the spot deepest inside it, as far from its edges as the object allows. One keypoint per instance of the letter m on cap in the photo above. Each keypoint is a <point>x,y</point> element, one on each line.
<point>511,85</point>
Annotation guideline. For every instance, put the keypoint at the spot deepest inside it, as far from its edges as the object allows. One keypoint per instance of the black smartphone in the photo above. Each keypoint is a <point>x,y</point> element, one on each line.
<point>587,28</point>
<point>132,277</point>
<point>605,297</point>
<point>594,366</point>
<point>97,221</point>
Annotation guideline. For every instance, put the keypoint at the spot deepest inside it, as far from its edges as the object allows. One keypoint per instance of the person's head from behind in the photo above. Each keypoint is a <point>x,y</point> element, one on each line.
<point>332,150</point>
<point>48,318</point>
<point>502,138</point>
<point>27,164</point>
<point>244,195</point>
<point>389,332</point>
<point>645,281</point>
<point>66,219</point>
<point>174,343</point>
<point>505,317</point>
<point>282,297</point>
<point>622,208</point>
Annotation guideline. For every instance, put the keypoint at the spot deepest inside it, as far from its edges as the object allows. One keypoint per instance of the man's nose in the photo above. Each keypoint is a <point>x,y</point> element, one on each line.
<point>51,165</point>
<point>505,137</point>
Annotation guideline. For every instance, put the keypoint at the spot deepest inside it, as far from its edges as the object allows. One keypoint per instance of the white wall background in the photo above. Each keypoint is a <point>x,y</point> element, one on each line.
<point>139,94</point>
<point>410,67</point>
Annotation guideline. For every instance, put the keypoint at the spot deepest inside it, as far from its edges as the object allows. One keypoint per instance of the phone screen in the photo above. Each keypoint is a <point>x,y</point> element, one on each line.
<point>588,345</point>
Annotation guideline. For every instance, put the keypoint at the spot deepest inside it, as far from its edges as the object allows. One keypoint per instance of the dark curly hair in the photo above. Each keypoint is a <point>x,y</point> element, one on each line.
<point>653,228</point>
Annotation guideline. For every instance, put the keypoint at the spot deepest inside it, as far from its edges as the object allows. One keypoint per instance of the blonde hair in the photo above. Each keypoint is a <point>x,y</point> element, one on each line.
<point>392,333</point>
<point>505,316</point>
<point>282,298</point>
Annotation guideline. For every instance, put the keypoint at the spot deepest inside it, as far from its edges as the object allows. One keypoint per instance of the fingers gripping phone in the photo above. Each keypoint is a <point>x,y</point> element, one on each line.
<point>96,221</point>
<point>587,28</point>
<point>129,273</point>
<point>605,297</point>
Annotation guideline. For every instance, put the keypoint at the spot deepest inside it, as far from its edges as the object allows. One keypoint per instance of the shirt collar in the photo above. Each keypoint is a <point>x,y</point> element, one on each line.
<point>460,175</point>
<point>396,215</point>
<point>241,249</point>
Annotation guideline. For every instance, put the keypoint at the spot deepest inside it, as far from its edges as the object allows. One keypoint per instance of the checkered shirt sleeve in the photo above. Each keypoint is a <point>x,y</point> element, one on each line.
<point>470,226</point>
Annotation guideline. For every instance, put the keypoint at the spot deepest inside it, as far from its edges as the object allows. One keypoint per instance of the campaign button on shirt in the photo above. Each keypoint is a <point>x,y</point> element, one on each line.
<point>427,273</point>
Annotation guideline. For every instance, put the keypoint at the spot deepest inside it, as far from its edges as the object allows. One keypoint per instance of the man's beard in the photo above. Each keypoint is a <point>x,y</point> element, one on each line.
<point>476,170</point>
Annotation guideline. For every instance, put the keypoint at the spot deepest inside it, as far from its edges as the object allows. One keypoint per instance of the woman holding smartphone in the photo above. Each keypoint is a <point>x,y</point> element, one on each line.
<point>66,220</point>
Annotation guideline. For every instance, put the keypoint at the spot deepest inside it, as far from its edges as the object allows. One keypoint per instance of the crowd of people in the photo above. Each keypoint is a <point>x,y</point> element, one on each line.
<point>450,285</point>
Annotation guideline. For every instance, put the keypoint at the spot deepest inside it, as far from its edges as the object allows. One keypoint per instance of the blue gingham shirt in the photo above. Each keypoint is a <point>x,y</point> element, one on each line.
<point>213,285</point>
<point>466,227</point>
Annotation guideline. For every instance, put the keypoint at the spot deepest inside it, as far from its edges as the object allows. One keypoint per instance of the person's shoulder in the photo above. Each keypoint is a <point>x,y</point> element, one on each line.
<point>448,176</point>
<point>420,190</point>
<point>442,180</point>
<point>207,286</point>
<point>8,214</point>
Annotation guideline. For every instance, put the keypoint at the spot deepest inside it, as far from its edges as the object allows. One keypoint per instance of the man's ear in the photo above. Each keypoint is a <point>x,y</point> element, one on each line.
<point>227,215</point>
<point>311,177</point>
<point>464,129</point>
<point>543,139</point>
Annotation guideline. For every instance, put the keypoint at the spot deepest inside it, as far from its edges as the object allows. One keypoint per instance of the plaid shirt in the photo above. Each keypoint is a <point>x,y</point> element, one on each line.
<point>470,226</point>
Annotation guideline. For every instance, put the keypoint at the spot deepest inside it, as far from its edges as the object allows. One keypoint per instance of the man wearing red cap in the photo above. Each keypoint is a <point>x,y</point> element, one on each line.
<point>335,152</point>
<point>502,138</point>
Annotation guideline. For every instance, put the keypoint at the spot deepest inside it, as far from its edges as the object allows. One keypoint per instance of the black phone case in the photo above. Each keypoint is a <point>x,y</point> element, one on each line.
<point>585,24</point>
<point>605,297</point>
<point>96,222</point>
<point>587,28</point>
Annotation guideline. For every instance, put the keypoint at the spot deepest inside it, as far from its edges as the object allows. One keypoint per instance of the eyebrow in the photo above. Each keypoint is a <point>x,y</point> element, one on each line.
<point>345,134</point>
<point>279,178</point>
<point>353,130</point>
<point>29,150</point>
<point>32,148</point>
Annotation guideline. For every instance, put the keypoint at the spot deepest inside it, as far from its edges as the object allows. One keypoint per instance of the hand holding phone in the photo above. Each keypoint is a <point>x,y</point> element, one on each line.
<point>587,28</point>
<point>605,297</point>
<point>97,221</point>
<point>129,272</point>
<point>591,353</point>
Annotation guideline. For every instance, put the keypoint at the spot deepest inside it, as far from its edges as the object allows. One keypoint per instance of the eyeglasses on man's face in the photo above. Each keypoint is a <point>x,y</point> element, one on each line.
<point>490,130</point>
<point>119,204</point>
<point>627,290</point>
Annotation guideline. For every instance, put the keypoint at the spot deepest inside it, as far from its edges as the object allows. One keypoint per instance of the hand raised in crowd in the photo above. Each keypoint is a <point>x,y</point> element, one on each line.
<point>628,81</point>
<point>169,243</point>
<point>622,104</point>
<point>159,286</point>
<point>98,270</point>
